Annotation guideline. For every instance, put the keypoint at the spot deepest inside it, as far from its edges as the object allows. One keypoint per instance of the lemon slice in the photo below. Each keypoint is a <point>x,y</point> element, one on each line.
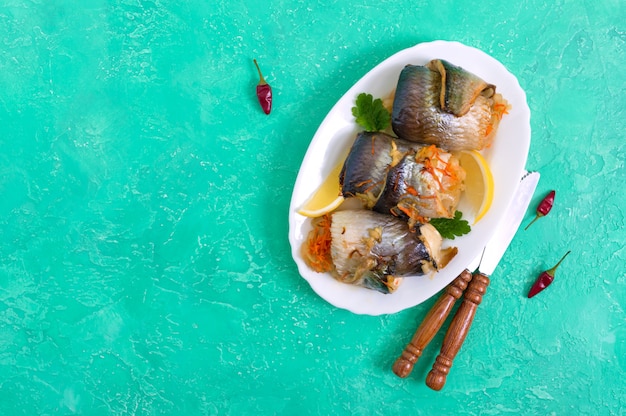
<point>478,182</point>
<point>326,198</point>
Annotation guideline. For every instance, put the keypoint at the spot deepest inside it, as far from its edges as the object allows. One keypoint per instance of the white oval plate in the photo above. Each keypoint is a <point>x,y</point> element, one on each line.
<point>332,141</point>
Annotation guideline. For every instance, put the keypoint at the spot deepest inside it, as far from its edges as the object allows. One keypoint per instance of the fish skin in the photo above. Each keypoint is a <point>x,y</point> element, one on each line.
<point>426,196</point>
<point>365,168</point>
<point>358,257</point>
<point>459,88</point>
<point>418,116</point>
<point>366,165</point>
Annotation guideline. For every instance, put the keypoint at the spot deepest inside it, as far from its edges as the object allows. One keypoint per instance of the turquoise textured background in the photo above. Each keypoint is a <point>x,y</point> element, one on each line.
<point>144,262</point>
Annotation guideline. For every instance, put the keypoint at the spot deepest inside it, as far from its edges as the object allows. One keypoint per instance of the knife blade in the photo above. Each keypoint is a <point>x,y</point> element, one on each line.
<point>439,312</point>
<point>502,237</point>
<point>491,256</point>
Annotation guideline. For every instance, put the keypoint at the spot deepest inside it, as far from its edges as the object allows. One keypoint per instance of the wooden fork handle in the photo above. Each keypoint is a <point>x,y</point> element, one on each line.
<point>430,325</point>
<point>459,327</point>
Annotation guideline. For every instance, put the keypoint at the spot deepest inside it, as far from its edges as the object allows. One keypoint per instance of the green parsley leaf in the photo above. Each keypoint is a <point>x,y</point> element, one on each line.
<point>370,113</point>
<point>451,227</point>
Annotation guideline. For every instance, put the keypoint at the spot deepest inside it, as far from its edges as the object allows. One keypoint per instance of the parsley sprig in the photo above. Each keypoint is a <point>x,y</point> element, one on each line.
<point>370,113</point>
<point>451,227</point>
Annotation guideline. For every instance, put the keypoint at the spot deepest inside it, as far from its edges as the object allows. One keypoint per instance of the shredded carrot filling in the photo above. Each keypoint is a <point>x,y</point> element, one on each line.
<point>395,183</point>
<point>430,154</point>
<point>500,109</point>
<point>317,246</point>
<point>431,169</point>
<point>489,129</point>
<point>374,185</point>
<point>410,190</point>
<point>363,183</point>
<point>411,212</point>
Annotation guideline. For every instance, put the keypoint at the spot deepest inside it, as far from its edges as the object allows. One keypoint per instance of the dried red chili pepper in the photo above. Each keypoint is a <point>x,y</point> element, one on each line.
<point>263,92</point>
<point>544,207</point>
<point>545,279</point>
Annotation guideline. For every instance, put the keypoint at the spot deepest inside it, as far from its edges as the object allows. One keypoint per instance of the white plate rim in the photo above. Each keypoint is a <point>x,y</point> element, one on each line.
<point>506,157</point>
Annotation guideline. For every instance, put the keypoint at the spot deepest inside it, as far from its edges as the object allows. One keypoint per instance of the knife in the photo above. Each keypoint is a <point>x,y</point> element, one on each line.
<point>441,309</point>
<point>433,321</point>
<point>493,252</point>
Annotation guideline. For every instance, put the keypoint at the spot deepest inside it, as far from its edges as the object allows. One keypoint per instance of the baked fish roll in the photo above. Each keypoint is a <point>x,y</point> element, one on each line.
<point>445,105</point>
<point>365,168</point>
<point>423,185</point>
<point>373,250</point>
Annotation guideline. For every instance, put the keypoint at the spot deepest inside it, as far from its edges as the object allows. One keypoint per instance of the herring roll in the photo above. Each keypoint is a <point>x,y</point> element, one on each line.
<point>373,250</point>
<point>445,105</point>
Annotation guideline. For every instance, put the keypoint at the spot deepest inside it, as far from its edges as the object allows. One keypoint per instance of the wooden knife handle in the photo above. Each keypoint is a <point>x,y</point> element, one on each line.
<point>459,327</point>
<point>431,324</point>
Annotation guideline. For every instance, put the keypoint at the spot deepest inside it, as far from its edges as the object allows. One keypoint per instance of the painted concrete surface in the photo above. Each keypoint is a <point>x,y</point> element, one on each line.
<point>144,261</point>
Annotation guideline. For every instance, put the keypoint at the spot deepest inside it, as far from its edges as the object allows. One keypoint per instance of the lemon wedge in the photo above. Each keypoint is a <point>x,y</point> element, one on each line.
<point>326,198</point>
<point>478,182</point>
